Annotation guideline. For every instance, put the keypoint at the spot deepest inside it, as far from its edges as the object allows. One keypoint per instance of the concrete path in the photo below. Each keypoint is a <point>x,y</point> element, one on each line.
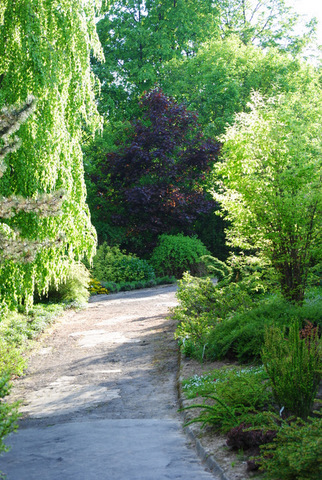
<point>99,398</point>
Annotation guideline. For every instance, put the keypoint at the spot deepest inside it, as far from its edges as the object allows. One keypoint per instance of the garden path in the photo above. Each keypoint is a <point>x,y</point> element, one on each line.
<point>99,398</point>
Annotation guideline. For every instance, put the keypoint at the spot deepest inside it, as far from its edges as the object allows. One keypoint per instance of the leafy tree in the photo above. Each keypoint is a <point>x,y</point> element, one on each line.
<point>45,51</point>
<point>266,23</point>
<point>217,82</point>
<point>271,184</point>
<point>12,246</point>
<point>154,183</point>
<point>138,38</point>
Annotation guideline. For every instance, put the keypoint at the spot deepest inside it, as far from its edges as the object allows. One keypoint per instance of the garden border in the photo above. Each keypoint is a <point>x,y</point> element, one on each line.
<point>207,458</point>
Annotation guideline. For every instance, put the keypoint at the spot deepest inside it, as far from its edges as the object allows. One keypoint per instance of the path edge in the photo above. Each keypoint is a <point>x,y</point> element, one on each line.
<point>207,458</point>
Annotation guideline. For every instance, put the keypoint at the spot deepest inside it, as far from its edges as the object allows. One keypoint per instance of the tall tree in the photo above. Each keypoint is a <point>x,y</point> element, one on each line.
<point>266,23</point>
<point>217,82</point>
<point>12,246</point>
<point>45,50</point>
<point>154,183</point>
<point>139,37</point>
<point>270,185</point>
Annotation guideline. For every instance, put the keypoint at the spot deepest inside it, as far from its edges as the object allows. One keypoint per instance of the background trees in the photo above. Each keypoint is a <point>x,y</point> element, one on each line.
<point>217,82</point>
<point>271,184</point>
<point>140,37</point>
<point>154,183</point>
<point>45,50</point>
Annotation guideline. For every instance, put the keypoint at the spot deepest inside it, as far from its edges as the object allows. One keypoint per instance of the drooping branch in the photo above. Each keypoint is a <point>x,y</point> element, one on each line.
<point>12,245</point>
<point>10,122</point>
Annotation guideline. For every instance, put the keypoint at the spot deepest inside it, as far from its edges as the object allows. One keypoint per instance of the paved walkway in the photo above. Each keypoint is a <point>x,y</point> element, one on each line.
<point>99,397</point>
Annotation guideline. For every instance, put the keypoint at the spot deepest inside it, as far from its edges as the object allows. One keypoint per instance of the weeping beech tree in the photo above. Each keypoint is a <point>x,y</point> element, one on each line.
<point>45,50</point>
<point>12,245</point>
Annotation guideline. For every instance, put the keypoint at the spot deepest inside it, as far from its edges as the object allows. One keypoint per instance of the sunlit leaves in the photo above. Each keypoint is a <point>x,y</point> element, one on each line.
<point>45,49</point>
<point>271,183</point>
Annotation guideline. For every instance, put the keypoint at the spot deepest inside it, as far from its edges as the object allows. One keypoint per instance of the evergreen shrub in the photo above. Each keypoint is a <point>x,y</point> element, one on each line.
<point>295,453</point>
<point>204,306</point>
<point>110,264</point>
<point>176,254</point>
<point>294,367</point>
<point>241,335</point>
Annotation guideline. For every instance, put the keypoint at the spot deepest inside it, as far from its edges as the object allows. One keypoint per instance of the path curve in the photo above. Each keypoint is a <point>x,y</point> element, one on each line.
<point>99,397</point>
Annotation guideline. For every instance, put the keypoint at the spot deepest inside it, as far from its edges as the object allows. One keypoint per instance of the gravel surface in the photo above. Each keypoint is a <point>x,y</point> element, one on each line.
<point>99,398</point>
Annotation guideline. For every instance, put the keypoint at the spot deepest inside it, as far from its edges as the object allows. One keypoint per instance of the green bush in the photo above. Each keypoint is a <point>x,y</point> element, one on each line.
<point>134,269</point>
<point>293,365</point>
<point>241,335</point>
<point>8,412</point>
<point>176,254</point>
<point>235,396</point>
<point>195,314</point>
<point>114,287</point>
<point>204,307</point>
<point>295,453</point>
<point>110,264</point>
<point>216,268</point>
<point>73,289</point>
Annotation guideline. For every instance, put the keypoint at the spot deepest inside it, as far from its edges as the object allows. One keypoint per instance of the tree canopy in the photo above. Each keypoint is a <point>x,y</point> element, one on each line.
<point>45,50</point>
<point>140,37</point>
<point>153,183</point>
<point>217,82</point>
<point>270,184</point>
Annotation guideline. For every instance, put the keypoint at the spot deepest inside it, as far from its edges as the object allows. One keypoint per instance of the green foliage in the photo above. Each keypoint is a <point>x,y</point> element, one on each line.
<point>217,321</point>
<point>16,329</point>
<point>237,396</point>
<point>205,307</point>
<point>272,194</point>
<point>218,81</point>
<point>8,412</point>
<point>45,51</point>
<point>216,268</point>
<point>295,453</point>
<point>10,357</point>
<point>73,289</point>
<point>241,335</point>
<point>176,254</point>
<point>138,38</point>
<point>294,368</point>
<point>136,285</point>
<point>110,264</point>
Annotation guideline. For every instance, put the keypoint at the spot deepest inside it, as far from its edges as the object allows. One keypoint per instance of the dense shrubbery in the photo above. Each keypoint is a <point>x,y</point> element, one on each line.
<point>244,318</point>
<point>112,265</point>
<point>295,453</point>
<point>233,397</point>
<point>241,334</point>
<point>176,254</point>
<point>228,319</point>
<point>73,289</point>
<point>126,286</point>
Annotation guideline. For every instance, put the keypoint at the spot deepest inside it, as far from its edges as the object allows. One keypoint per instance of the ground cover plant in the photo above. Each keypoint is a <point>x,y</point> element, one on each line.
<point>17,333</point>
<point>239,402</point>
